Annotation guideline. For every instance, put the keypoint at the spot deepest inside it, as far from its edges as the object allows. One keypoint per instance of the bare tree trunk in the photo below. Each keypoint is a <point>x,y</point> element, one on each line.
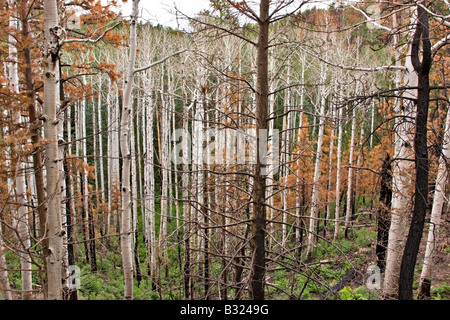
<point>422,68</point>
<point>149,180</point>
<point>402,172</point>
<point>125,133</point>
<point>21,214</point>
<point>5,287</point>
<point>315,202</point>
<point>35,140</point>
<point>348,214</point>
<point>338,175</point>
<point>436,211</point>
<point>52,44</point>
<point>165,167</point>
<point>383,214</point>
<point>258,229</point>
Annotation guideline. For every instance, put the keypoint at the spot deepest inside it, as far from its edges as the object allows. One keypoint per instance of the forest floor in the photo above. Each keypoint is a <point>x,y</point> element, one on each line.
<point>440,282</point>
<point>341,267</point>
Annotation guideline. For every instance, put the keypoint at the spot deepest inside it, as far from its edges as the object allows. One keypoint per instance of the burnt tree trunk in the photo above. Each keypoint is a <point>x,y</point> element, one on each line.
<point>383,219</point>
<point>421,36</point>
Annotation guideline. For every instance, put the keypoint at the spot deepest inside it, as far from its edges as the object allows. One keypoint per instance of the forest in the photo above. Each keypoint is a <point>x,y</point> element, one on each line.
<point>262,150</point>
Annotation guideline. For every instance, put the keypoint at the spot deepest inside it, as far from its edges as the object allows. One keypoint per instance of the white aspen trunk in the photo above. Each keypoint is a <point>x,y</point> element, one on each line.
<point>140,125</point>
<point>52,43</point>
<point>198,162</point>
<point>298,182</point>
<point>338,175</point>
<point>402,183</point>
<point>149,176</point>
<point>175,198</point>
<point>436,211</point>
<point>5,287</point>
<point>134,184</point>
<point>315,201</point>
<point>83,155</point>
<point>270,155</point>
<point>109,122</point>
<point>186,158</point>
<point>100,139</point>
<point>330,170</point>
<point>21,214</point>
<point>285,155</point>
<point>165,161</point>
<point>125,133</point>
<point>348,214</point>
<point>358,164</point>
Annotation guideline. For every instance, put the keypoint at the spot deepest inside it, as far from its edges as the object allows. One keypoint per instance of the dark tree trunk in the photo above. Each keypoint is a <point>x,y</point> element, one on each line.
<point>258,265</point>
<point>136,259</point>
<point>240,261</point>
<point>405,291</point>
<point>92,255</point>
<point>383,219</point>
<point>72,294</point>
<point>206,241</point>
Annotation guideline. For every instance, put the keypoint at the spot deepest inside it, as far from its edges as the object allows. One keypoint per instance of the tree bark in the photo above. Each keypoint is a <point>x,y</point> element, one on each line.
<point>35,139</point>
<point>338,175</point>
<point>383,219</point>
<point>21,214</point>
<point>436,211</point>
<point>402,177</point>
<point>125,133</point>
<point>5,287</point>
<point>258,229</point>
<point>349,211</point>
<point>52,44</point>
<point>421,36</point>
<point>315,201</point>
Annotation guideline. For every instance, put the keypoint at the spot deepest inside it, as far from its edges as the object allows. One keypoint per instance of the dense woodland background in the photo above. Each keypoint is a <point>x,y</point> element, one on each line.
<point>120,157</point>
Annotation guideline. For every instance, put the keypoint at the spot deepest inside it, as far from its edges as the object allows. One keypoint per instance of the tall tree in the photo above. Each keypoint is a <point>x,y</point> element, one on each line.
<point>421,43</point>
<point>53,39</point>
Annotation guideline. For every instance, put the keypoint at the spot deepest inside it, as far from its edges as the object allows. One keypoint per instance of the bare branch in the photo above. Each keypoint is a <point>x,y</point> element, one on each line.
<point>93,40</point>
<point>369,19</point>
<point>438,45</point>
<point>372,69</point>
<point>160,61</point>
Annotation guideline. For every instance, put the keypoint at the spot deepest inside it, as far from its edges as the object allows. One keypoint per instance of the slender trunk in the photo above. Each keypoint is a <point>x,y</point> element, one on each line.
<point>402,172</point>
<point>72,295</point>
<point>35,140</point>
<point>188,281</point>
<point>329,186</point>
<point>315,201</point>
<point>408,263</point>
<point>383,219</point>
<point>5,287</point>
<point>436,211</point>
<point>52,44</point>
<point>165,167</point>
<point>125,133</point>
<point>348,214</point>
<point>21,214</point>
<point>135,198</point>
<point>338,176</point>
<point>149,180</point>
<point>258,228</point>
